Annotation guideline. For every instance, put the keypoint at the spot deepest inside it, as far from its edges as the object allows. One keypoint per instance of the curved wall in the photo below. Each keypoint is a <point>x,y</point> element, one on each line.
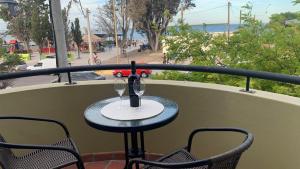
<point>272,118</point>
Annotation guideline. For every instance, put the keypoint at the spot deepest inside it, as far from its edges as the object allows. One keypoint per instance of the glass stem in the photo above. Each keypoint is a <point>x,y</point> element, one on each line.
<point>140,101</point>
<point>120,101</point>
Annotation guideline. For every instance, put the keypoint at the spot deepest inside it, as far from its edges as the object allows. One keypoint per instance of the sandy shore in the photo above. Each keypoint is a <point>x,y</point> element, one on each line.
<point>140,57</point>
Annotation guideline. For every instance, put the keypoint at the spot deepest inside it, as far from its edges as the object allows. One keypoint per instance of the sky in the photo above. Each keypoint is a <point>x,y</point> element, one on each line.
<point>206,11</point>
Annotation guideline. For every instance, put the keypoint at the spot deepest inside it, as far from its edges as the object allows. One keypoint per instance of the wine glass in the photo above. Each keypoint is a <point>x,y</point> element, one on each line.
<point>120,87</point>
<point>139,88</point>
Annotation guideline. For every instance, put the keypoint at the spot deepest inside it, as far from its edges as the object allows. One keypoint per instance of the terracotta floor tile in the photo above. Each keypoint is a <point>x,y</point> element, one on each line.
<point>92,165</point>
<point>96,165</point>
<point>113,164</point>
<point>71,167</point>
<point>116,165</point>
<point>108,160</point>
<point>88,158</point>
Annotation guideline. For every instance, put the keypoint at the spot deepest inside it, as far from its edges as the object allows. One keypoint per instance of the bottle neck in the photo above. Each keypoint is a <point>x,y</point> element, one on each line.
<point>133,67</point>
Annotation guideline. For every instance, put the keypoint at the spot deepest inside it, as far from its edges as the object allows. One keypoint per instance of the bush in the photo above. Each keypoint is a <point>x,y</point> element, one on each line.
<point>255,46</point>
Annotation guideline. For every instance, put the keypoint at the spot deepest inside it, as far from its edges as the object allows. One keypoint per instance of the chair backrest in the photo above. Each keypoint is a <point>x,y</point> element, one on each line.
<point>230,159</point>
<point>226,163</point>
<point>6,155</point>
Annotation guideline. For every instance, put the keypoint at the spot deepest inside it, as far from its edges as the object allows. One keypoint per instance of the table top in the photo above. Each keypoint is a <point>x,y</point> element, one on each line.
<point>95,119</point>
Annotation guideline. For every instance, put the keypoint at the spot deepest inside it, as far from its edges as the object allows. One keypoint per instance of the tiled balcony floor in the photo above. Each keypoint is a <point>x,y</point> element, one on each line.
<point>113,164</point>
<point>113,160</point>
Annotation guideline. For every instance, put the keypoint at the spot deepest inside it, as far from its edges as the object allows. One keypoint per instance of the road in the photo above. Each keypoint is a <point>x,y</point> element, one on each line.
<point>109,54</point>
<point>35,80</point>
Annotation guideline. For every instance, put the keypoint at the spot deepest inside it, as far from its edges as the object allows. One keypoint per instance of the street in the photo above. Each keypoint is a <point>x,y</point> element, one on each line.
<point>45,79</point>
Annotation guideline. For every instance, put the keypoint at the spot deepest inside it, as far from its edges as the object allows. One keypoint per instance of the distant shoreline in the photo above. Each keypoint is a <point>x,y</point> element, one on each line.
<point>211,28</point>
<point>214,24</point>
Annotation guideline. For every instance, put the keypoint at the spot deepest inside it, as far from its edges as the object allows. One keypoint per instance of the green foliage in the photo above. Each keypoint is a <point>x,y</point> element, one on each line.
<point>19,25</point>
<point>2,49</point>
<point>31,21</point>
<point>40,25</point>
<point>283,17</point>
<point>9,62</point>
<point>70,57</point>
<point>76,32</point>
<point>272,47</point>
<point>184,43</point>
<point>154,19</point>
<point>296,2</point>
<point>66,21</point>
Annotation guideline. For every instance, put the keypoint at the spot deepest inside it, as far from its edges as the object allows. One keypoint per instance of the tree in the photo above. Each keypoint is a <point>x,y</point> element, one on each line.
<point>19,25</point>
<point>40,26</point>
<point>76,34</point>
<point>9,62</point>
<point>184,43</point>
<point>296,2</point>
<point>66,27</point>
<point>136,9</point>
<point>271,47</point>
<point>65,15</point>
<point>185,4</point>
<point>105,19</point>
<point>283,18</point>
<point>155,19</point>
<point>123,6</point>
<point>31,21</point>
<point>2,49</point>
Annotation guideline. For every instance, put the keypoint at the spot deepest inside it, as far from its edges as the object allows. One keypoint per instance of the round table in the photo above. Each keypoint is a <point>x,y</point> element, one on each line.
<point>95,119</point>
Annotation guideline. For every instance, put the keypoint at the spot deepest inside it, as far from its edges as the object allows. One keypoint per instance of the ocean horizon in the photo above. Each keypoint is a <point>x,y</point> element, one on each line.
<point>211,28</point>
<point>215,27</point>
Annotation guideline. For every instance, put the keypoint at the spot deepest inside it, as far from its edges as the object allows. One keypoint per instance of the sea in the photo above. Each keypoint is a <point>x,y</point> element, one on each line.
<point>211,28</point>
<point>215,27</point>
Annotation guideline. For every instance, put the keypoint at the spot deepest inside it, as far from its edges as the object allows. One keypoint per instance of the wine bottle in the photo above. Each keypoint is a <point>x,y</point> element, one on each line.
<point>134,99</point>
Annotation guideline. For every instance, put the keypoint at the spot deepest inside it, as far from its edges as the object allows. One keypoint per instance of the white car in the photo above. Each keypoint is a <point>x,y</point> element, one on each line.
<point>21,67</point>
<point>43,64</point>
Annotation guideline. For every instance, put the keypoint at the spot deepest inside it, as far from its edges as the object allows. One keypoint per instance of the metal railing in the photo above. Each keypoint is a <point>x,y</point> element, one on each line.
<point>248,74</point>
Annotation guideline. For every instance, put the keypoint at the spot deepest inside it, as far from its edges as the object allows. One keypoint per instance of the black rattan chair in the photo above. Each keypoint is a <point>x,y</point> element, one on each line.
<point>58,155</point>
<point>184,159</point>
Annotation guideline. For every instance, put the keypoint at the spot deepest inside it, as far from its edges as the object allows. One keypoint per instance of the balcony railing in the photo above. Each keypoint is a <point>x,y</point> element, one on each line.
<point>272,118</point>
<point>248,74</point>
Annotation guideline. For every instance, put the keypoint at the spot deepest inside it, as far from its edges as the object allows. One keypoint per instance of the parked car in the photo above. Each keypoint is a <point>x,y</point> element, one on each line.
<point>43,64</point>
<point>126,72</point>
<point>51,57</point>
<point>21,67</point>
<point>84,76</point>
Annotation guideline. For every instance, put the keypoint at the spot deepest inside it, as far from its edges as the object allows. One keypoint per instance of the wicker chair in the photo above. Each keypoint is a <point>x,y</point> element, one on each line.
<point>58,155</point>
<point>184,159</point>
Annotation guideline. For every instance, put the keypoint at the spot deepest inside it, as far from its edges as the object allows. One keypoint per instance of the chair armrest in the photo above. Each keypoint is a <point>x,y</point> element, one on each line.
<point>190,141</point>
<point>169,165</point>
<point>37,119</point>
<point>41,147</point>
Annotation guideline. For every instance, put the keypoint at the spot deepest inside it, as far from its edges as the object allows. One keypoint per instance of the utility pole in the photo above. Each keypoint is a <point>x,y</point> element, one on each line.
<point>228,22</point>
<point>204,27</point>
<point>182,12</point>
<point>89,32</point>
<point>241,14</point>
<point>115,28</point>
<point>60,43</point>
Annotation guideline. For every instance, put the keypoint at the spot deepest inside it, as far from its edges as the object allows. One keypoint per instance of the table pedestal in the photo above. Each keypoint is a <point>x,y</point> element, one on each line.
<point>134,129</point>
<point>134,151</point>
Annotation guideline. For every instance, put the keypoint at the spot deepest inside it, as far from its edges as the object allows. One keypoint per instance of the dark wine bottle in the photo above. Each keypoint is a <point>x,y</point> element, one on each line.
<point>134,99</point>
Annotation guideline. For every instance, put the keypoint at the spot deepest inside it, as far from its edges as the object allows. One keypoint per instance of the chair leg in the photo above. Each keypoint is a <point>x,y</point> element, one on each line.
<point>80,165</point>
